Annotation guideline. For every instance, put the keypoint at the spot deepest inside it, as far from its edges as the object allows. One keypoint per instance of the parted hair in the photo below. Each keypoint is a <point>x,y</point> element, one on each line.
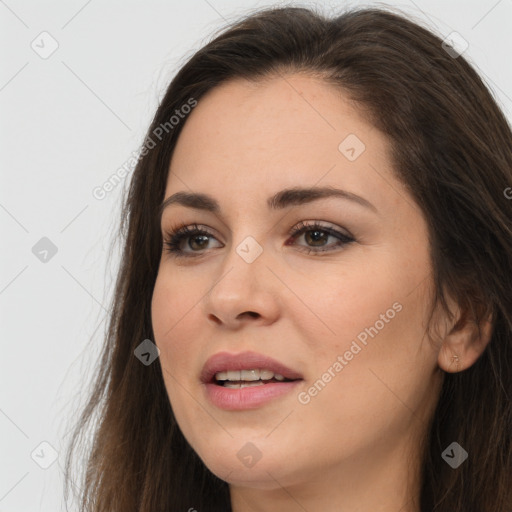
<point>451,146</point>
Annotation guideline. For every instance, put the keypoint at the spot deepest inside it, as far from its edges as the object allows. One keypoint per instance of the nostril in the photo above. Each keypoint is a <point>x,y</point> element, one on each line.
<point>251,314</point>
<point>214,319</point>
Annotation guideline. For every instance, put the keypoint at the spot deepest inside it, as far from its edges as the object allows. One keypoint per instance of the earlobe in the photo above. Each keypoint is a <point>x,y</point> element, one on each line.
<point>463,345</point>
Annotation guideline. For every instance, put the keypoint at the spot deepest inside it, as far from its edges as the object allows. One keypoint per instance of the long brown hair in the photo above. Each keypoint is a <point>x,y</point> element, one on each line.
<point>452,148</point>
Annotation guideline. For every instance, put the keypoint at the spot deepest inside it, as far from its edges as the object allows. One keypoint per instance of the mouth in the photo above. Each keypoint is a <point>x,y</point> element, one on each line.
<point>246,381</point>
<point>246,368</point>
<point>237,379</point>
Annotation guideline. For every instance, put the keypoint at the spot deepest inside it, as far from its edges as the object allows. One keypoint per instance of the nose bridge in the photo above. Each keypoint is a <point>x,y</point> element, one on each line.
<point>243,268</point>
<point>244,284</point>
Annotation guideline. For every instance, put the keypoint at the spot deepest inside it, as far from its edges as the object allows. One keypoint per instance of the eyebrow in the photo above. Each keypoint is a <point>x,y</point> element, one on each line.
<point>282,199</point>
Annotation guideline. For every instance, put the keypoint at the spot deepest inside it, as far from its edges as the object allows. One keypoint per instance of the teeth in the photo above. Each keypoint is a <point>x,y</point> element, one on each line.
<point>233,385</point>
<point>266,374</point>
<point>234,375</point>
<point>238,385</point>
<point>251,384</point>
<point>248,375</point>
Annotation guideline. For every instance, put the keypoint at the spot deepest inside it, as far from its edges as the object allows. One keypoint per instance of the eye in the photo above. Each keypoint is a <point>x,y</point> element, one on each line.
<point>197,239</point>
<point>316,234</point>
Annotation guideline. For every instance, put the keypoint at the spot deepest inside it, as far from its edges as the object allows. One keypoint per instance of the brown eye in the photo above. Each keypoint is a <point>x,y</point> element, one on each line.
<point>200,241</point>
<point>317,235</point>
<point>197,241</point>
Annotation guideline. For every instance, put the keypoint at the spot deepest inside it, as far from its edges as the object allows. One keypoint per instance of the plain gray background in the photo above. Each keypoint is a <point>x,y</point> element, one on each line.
<point>69,120</point>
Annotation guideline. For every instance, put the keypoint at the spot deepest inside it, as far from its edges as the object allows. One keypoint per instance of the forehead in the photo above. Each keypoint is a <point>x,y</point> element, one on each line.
<point>275,133</point>
<point>289,110</point>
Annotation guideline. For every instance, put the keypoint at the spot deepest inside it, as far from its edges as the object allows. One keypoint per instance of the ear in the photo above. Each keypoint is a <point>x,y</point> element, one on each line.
<point>465,343</point>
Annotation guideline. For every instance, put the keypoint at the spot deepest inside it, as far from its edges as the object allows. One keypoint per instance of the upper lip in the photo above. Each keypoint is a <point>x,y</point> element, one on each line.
<point>223,361</point>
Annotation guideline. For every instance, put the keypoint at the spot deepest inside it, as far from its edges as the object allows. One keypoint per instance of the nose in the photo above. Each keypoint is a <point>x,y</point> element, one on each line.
<point>243,293</point>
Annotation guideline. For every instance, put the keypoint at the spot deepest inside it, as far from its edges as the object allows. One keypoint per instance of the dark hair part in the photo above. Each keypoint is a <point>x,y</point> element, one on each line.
<point>451,147</point>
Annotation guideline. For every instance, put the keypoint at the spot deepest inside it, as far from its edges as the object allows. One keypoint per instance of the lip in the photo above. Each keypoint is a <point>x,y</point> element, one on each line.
<point>223,361</point>
<point>249,397</point>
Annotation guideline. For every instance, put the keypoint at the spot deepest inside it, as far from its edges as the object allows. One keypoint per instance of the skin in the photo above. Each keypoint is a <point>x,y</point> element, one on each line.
<point>355,445</point>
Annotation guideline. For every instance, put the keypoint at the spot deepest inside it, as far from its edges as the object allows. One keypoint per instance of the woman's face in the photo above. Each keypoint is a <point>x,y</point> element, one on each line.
<point>348,317</point>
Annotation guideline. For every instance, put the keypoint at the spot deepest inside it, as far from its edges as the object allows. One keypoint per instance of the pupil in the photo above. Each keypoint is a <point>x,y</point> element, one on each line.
<point>204,239</point>
<point>316,237</point>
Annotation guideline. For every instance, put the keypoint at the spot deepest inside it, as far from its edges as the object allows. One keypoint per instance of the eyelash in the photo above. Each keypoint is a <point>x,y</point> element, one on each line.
<point>172,240</point>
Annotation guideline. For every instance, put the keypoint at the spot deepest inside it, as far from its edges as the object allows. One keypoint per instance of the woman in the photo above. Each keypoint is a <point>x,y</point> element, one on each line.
<point>313,308</point>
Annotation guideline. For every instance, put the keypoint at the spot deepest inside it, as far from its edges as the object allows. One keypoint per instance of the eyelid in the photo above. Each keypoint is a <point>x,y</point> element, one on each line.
<point>304,225</point>
<point>291,232</point>
<point>183,231</point>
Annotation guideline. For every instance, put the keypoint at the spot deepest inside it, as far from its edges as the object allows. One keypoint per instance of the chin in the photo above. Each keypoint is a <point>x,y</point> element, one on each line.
<point>265,478</point>
<point>264,473</point>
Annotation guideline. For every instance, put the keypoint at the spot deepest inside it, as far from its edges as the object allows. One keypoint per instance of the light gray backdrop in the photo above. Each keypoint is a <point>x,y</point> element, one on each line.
<point>79,83</point>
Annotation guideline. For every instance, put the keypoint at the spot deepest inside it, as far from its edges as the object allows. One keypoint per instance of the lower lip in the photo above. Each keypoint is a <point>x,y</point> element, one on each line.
<point>250,397</point>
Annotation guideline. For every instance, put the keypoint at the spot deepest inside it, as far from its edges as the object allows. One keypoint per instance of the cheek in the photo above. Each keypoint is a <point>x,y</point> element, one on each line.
<point>383,366</point>
<point>356,301</point>
<point>175,331</point>
<point>374,319</point>
<point>172,316</point>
